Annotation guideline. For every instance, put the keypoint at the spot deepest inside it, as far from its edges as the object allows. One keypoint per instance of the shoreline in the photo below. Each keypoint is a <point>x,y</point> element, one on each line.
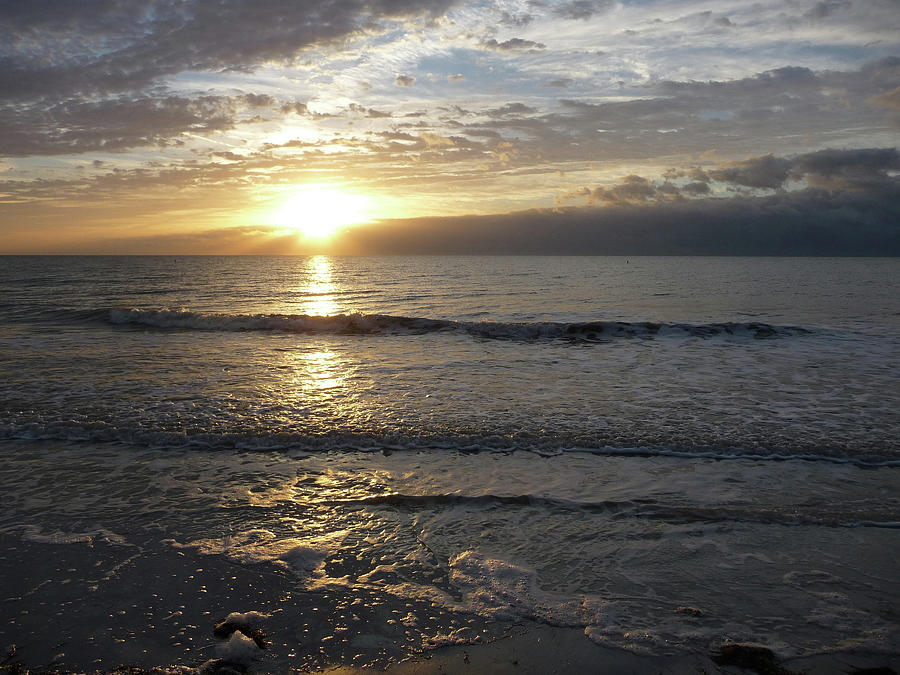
<point>529,649</point>
<point>431,563</point>
<point>183,642</point>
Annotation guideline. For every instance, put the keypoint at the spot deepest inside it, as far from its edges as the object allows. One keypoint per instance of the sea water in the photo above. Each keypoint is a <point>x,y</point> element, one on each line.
<point>663,453</point>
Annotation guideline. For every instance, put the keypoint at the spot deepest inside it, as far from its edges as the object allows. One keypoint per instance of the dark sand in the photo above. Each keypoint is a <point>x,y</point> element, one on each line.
<point>93,606</point>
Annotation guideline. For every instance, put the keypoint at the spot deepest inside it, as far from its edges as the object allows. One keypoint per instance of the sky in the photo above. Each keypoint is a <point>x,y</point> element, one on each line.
<point>442,126</point>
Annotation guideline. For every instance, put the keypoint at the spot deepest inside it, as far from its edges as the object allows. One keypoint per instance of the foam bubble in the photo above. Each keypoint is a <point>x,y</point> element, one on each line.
<point>262,546</point>
<point>239,649</point>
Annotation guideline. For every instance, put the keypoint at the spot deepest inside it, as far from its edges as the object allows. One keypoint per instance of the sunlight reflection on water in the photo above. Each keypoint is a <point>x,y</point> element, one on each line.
<point>320,288</point>
<point>321,370</point>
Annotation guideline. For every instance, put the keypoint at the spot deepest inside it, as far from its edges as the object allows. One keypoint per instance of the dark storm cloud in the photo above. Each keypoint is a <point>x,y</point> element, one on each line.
<point>757,172</point>
<point>56,47</point>
<point>860,170</point>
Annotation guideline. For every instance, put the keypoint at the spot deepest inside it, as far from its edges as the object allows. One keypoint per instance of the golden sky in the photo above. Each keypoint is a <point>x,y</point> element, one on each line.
<point>356,127</point>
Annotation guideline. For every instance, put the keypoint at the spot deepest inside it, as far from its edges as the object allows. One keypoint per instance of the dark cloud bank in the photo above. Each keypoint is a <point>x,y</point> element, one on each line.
<point>851,207</point>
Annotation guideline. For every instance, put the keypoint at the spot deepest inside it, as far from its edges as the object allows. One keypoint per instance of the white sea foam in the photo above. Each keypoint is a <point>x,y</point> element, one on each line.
<point>504,591</point>
<point>263,546</point>
<point>238,648</point>
<point>250,618</point>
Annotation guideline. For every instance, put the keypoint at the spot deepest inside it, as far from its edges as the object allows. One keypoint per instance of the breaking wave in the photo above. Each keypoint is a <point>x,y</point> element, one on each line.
<point>385,324</point>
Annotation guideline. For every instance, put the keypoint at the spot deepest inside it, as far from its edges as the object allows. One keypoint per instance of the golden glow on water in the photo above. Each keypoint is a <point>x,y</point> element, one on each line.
<point>319,211</point>
<point>317,379</point>
<point>320,370</point>
<point>319,288</point>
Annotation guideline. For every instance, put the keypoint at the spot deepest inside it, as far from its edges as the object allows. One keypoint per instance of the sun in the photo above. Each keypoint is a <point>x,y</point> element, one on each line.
<point>318,211</point>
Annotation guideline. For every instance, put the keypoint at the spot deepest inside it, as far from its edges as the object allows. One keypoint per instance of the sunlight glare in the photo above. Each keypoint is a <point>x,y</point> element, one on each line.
<point>319,211</point>
<point>320,289</point>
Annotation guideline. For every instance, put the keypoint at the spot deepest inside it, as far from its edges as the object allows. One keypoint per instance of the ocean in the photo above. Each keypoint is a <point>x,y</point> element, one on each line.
<point>372,459</point>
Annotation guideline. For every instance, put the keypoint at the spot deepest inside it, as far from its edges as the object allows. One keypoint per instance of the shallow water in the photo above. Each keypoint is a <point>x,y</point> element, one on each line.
<point>655,555</point>
<point>662,453</point>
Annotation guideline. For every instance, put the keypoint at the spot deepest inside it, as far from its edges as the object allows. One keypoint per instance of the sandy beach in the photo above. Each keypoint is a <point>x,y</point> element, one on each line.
<point>96,607</point>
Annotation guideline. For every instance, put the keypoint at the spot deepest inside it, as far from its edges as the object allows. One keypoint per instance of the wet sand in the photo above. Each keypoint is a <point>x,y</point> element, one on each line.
<point>93,606</point>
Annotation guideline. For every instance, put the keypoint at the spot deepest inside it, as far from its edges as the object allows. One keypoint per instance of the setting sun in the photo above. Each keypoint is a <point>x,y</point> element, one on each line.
<point>318,211</point>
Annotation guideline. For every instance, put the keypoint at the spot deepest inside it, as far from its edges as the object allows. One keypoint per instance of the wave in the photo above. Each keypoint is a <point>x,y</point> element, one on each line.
<point>299,443</point>
<point>385,324</point>
<point>646,509</point>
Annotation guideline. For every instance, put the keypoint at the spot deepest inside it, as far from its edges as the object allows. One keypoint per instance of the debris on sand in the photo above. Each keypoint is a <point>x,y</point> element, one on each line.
<point>752,657</point>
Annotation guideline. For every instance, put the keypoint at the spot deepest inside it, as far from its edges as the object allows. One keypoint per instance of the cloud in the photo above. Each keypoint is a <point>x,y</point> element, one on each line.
<point>757,172</point>
<point>513,44</point>
<point>219,241</point>
<point>366,112</point>
<point>838,201</point>
<point>433,141</point>
<point>826,8</point>
<point>511,109</point>
<point>858,170</point>
<point>862,169</point>
<point>785,110</point>
<point>696,188</point>
<point>582,9</point>
<point>631,190</point>
<point>294,107</point>
<point>76,126</point>
<point>511,19</point>
<point>806,222</point>
<point>404,80</point>
<point>58,47</point>
<point>889,99</point>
